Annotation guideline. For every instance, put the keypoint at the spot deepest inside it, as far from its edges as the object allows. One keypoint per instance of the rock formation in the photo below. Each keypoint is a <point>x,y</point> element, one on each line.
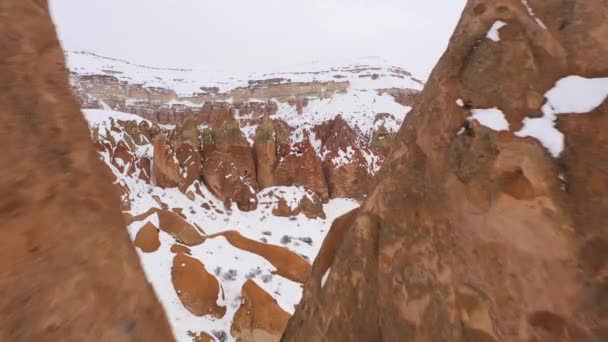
<point>475,233</point>
<point>228,165</point>
<point>68,270</point>
<point>259,317</point>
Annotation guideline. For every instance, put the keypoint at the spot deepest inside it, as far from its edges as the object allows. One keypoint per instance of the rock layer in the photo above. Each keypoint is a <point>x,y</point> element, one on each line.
<point>68,269</point>
<point>482,235</point>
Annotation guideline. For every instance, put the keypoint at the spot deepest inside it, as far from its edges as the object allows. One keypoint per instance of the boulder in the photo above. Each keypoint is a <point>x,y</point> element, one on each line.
<point>147,238</point>
<point>259,318</point>
<point>197,289</point>
<point>172,224</point>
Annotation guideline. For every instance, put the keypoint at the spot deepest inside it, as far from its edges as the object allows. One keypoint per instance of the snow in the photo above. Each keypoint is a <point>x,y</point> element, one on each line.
<point>543,129</point>
<point>343,157</point>
<point>570,95</point>
<point>217,253</point>
<point>494,33</point>
<point>460,103</point>
<point>576,95</point>
<point>189,81</point>
<point>325,276</point>
<point>96,117</point>
<point>358,105</point>
<point>492,118</point>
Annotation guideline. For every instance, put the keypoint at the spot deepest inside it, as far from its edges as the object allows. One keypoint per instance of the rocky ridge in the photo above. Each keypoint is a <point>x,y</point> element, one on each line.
<point>327,129</point>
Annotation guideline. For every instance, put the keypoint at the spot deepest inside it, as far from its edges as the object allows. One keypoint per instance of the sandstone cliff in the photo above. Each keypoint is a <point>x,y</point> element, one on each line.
<point>489,219</point>
<point>67,269</point>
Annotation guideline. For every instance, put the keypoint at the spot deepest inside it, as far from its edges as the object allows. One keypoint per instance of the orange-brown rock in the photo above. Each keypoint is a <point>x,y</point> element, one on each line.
<point>176,248</point>
<point>331,244</point>
<point>346,169</point>
<point>222,176</point>
<point>189,159</point>
<point>166,165</point>
<point>201,337</point>
<point>178,163</point>
<point>267,136</point>
<point>474,237</point>
<point>122,157</point>
<point>228,165</point>
<point>68,269</point>
<point>299,164</point>
<point>172,224</point>
<point>259,318</point>
<point>287,205</point>
<point>405,97</point>
<point>197,289</point>
<point>257,109</point>
<point>147,238</point>
<point>287,263</point>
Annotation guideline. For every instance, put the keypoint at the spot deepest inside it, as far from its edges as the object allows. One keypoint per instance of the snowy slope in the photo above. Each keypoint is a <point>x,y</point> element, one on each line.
<point>230,265</point>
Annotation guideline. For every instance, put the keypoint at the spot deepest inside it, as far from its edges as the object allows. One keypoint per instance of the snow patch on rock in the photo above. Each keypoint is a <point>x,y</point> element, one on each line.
<point>492,118</point>
<point>570,95</point>
<point>494,32</point>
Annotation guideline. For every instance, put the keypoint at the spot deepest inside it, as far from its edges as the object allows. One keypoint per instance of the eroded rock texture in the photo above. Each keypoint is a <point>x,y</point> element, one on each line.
<point>68,271</point>
<point>483,235</point>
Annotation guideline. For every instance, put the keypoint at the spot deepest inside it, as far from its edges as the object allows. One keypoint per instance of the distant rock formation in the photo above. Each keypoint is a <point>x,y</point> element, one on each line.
<point>68,269</point>
<point>474,231</point>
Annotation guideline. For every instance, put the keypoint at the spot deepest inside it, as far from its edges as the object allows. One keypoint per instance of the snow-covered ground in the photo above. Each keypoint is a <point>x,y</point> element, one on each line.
<point>230,265</point>
<point>186,82</point>
<point>358,105</point>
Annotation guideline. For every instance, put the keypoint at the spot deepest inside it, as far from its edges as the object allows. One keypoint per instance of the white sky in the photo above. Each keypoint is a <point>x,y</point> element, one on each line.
<point>257,35</point>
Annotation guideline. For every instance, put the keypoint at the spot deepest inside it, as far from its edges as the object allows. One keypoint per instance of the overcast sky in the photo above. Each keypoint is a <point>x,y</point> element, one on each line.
<point>258,34</point>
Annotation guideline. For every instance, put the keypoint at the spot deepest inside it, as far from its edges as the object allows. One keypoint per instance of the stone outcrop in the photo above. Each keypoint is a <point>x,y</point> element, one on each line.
<point>299,164</point>
<point>228,165</point>
<point>268,135</point>
<point>292,201</point>
<point>346,169</point>
<point>177,159</point>
<point>259,318</point>
<point>68,269</point>
<point>172,224</point>
<point>196,288</point>
<point>482,235</point>
<point>147,238</point>
<point>166,165</point>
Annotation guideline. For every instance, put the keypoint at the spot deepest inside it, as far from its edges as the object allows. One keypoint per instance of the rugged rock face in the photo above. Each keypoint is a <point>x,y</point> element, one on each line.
<point>272,131</point>
<point>67,267</point>
<point>228,165</point>
<point>473,234</point>
<point>166,165</point>
<point>347,171</point>
<point>299,164</point>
